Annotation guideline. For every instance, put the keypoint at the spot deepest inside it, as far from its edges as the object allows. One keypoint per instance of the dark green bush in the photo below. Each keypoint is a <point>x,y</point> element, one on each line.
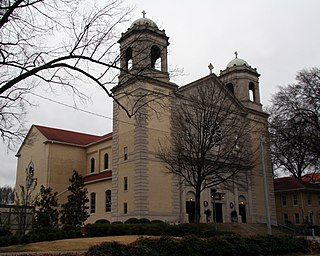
<point>102,221</point>
<point>25,239</point>
<point>4,241</point>
<point>228,245</point>
<point>69,227</point>
<point>157,221</point>
<point>52,236</point>
<point>107,248</point>
<point>132,221</point>
<point>144,221</point>
<point>34,238</point>
<point>119,230</point>
<point>14,240</point>
<point>5,231</point>
<point>97,229</point>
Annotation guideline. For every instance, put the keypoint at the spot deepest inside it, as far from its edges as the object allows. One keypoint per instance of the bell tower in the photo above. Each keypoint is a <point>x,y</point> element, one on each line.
<point>143,51</point>
<point>243,82</point>
<point>141,185</point>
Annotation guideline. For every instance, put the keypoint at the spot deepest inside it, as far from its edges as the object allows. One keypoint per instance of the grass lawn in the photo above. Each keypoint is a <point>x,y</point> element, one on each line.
<point>76,244</point>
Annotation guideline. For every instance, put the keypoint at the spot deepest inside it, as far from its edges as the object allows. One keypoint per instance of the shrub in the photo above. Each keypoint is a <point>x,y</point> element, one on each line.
<point>97,229</point>
<point>102,221</point>
<point>144,221</point>
<point>5,231</point>
<point>228,245</point>
<point>156,221</point>
<point>52,236</point>
<point>25,239</point>
<point>132,221</point>
<point>107,248</point>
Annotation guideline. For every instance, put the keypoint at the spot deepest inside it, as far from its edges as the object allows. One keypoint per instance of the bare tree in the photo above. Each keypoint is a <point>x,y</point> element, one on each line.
<point>54,43</point>
<point>6,195</point>
<point>25,203</point>
<point>207,140</point>
<point>295,125</point>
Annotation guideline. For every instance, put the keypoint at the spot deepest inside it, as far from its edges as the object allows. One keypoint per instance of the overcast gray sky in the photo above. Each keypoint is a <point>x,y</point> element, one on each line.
<point>278,37</point>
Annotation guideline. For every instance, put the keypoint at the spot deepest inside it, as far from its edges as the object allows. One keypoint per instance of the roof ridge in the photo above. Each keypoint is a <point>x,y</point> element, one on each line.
<point>69,136</point>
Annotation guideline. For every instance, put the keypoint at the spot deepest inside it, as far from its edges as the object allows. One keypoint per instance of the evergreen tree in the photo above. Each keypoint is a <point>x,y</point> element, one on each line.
<point>74,212</point>
<point>46,215</point>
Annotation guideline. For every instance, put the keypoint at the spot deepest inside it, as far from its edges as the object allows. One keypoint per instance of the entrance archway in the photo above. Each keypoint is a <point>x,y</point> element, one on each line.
<point>242,209</point>
<point>190,206</point>
<point>217,212</point>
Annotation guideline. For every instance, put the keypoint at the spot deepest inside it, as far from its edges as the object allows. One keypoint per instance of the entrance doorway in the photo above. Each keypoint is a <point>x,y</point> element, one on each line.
<point>242,212</point>
<point>190,208</point>
<point>217,212</point>
<point>242,209</point>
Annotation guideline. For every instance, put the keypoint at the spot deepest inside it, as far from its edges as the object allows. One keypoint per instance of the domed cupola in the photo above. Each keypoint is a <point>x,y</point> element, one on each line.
<point>243,82</point>
<point>144,22</point>
<point>143,51</point>
<point>237,62</point>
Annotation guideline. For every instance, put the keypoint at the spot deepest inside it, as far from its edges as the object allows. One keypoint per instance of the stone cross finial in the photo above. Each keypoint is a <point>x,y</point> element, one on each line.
<point>143,14</point>
<point>236,53</point>
<point>210,66</point>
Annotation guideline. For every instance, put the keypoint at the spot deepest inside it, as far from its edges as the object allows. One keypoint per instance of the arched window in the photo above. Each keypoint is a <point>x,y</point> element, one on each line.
<point>155,57</point>
<point>92,202</point>
<point>129,58</point>
<point>106,161</point>
<point>92,162</point>
<point>30,175</point>
<point>252,96</point>
<point>230,87</point>
<point>108,200</point>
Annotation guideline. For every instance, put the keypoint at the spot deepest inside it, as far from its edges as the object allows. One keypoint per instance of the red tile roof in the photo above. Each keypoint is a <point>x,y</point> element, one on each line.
<point>291,183</point>
<point>311,177</point>
<point>70,137</point>
<point>98,176</point>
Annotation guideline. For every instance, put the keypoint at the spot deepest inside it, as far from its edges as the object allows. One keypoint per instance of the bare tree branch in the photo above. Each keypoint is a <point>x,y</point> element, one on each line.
<point>208,141</point>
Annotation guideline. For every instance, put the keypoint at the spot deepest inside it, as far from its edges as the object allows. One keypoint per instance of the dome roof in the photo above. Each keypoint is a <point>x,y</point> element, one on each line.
<point>237,62</point>
<point>144,22</point>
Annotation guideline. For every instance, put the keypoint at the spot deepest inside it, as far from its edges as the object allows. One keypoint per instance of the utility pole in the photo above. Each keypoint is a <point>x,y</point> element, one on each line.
<point>265,188</point>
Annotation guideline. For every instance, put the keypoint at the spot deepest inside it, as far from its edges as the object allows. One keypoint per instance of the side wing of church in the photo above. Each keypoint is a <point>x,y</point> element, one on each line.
<point>123,175</point>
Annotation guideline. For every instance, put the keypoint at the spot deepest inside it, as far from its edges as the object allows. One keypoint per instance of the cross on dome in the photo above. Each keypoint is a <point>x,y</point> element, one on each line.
<point>143,14</point>
<point>236,53</point>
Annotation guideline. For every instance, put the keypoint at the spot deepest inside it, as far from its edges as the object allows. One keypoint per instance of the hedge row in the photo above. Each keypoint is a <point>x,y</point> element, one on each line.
<point>33,237</point>
<point>229,245</point>
<point>154,229</point>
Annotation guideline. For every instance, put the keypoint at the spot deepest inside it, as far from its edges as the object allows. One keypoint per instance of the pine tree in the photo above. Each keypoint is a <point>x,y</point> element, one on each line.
<point>74,212</point>
<point>46,214</point>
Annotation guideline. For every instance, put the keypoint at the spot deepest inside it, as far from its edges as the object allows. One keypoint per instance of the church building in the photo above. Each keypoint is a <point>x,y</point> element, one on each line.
<point>123,174</point>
